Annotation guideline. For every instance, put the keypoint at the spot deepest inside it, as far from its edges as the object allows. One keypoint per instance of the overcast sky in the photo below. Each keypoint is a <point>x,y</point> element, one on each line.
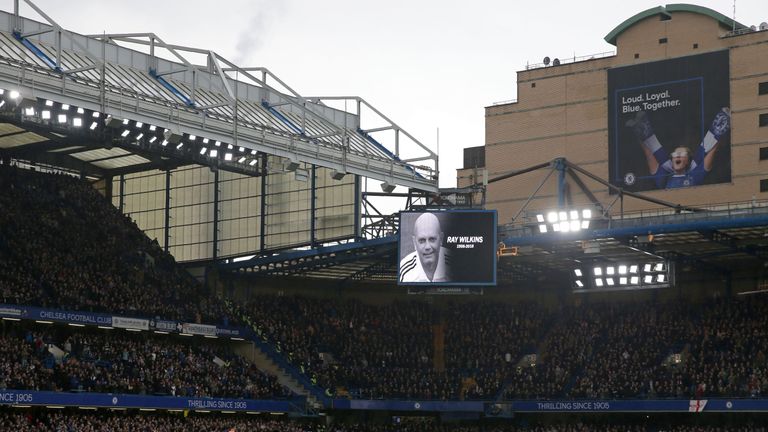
<point>426,64</point>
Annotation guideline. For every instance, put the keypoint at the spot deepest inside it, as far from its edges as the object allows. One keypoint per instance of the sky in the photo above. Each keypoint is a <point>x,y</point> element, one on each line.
<point>426,64</point>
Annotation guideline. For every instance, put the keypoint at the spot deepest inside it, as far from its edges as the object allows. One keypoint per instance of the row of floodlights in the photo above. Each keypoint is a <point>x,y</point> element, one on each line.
<point>623,275</point>
<point>136,131</point>
<point>564,220</point>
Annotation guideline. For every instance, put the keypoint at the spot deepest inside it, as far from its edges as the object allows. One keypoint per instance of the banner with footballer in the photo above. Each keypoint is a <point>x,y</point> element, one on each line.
<point>444,248</point>
<point>669,123</point>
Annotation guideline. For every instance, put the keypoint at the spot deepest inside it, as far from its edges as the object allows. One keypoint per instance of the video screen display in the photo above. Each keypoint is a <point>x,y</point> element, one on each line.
<point>669,123</point>
<point>444,248</point>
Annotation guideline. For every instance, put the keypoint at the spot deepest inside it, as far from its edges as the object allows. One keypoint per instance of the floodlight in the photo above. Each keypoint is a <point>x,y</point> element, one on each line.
<point>125,133</point>
<point>542,229</point>
<point>565,226</point>
<point>647,268</point>
<point>659,267</point>
<point>609,281</point>
<point>77,122</point>
<point>179,146</point>
<point>580,284</point>
<point>30,111</point>
<point>95,114</point>
<point>633,268</point>
<point>152,128</point>
<point>46,114</point>
<point>2,103</point>
<point>387,187</point>
<point>598,271</point>
<point>113,122</point>
<point>213,153</point>
<point>253,152</point>
<point>229,147</point>
<point>80,111</point>
<point>253,162</point>
<point>152,139</point>
<point>584,224</point>
<point>661,277</point>
<point>217,143</point>
<point>164,143</point>
<point>49,103</point>
<point>301,175</point>
<point>577,272</point>
<point>64,107</point>
<point>599,282</point>
<point>241,160</point>
<point>192,137</point>
<point>241,149</point>
<point>126,121</point>
<point>172,137</point>
<point>563,216</point>
<point>586,214</point>
<point>62,118</point>
<point>205,140</point>
<point>139,124</point>
<point>93,125</point>
<point>622,269</point>
<point>140,136</point>
<point>203,150</point>
<point>227,156</point>
<point>552,217</point>
<point>610,270</point>
<point>539,218</point>
<point>289,165</point>
<point>575,225</point>
<point>556,227</point>
<point>623,280</point>
<point>648,279</point>
<point>634,280</point>
<point>338,175</point>
<point>574,214</point>
<point>14,94</point>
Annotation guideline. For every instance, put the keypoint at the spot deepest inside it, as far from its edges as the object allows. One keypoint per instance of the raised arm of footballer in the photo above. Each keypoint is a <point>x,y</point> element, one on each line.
<point>682,167</point>
<point>430,261</point>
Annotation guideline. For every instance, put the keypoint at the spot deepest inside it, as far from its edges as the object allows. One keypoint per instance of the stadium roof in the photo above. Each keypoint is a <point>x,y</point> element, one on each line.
<point>666,11</point>
<point>249,109</point>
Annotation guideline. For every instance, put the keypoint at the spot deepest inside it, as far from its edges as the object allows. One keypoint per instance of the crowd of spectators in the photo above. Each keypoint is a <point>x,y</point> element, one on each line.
<point>63,245</point>
<point>522,351</point>
<point>375,351</point>
<point>47,421</point>
<point>124,362</point>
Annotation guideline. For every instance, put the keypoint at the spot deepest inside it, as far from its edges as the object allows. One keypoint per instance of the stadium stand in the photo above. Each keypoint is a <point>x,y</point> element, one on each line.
<point>45,421</point>
<point>600,350</point>
<point>55,358</point>
<point>63,245</point>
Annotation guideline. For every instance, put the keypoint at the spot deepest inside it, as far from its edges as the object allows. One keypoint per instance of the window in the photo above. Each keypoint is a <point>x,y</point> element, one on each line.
<point>764,185</point>
<point>695,46</point>
<point>637,55</point>
<point>663,40</point>
<point>762,88</point>
<point>763,153</point>
<point>664,17</point>
<point>763,120</point>
<point>533,85</point>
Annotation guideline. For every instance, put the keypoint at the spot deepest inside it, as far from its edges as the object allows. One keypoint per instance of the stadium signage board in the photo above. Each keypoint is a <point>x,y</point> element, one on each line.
<point>447,248</point>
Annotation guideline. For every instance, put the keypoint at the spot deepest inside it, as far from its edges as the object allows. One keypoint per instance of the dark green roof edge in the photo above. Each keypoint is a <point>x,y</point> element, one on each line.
<point>677,7</point>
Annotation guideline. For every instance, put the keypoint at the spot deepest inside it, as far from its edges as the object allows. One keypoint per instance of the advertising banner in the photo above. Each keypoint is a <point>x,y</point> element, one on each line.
<point>669,123</point>
<point>107,400</point>
<point>130,323</point>
<point>198,329</point>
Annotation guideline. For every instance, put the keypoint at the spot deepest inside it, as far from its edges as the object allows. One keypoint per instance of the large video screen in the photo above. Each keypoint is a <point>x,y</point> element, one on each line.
<point>669,123</point>
<point>443,248</point>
